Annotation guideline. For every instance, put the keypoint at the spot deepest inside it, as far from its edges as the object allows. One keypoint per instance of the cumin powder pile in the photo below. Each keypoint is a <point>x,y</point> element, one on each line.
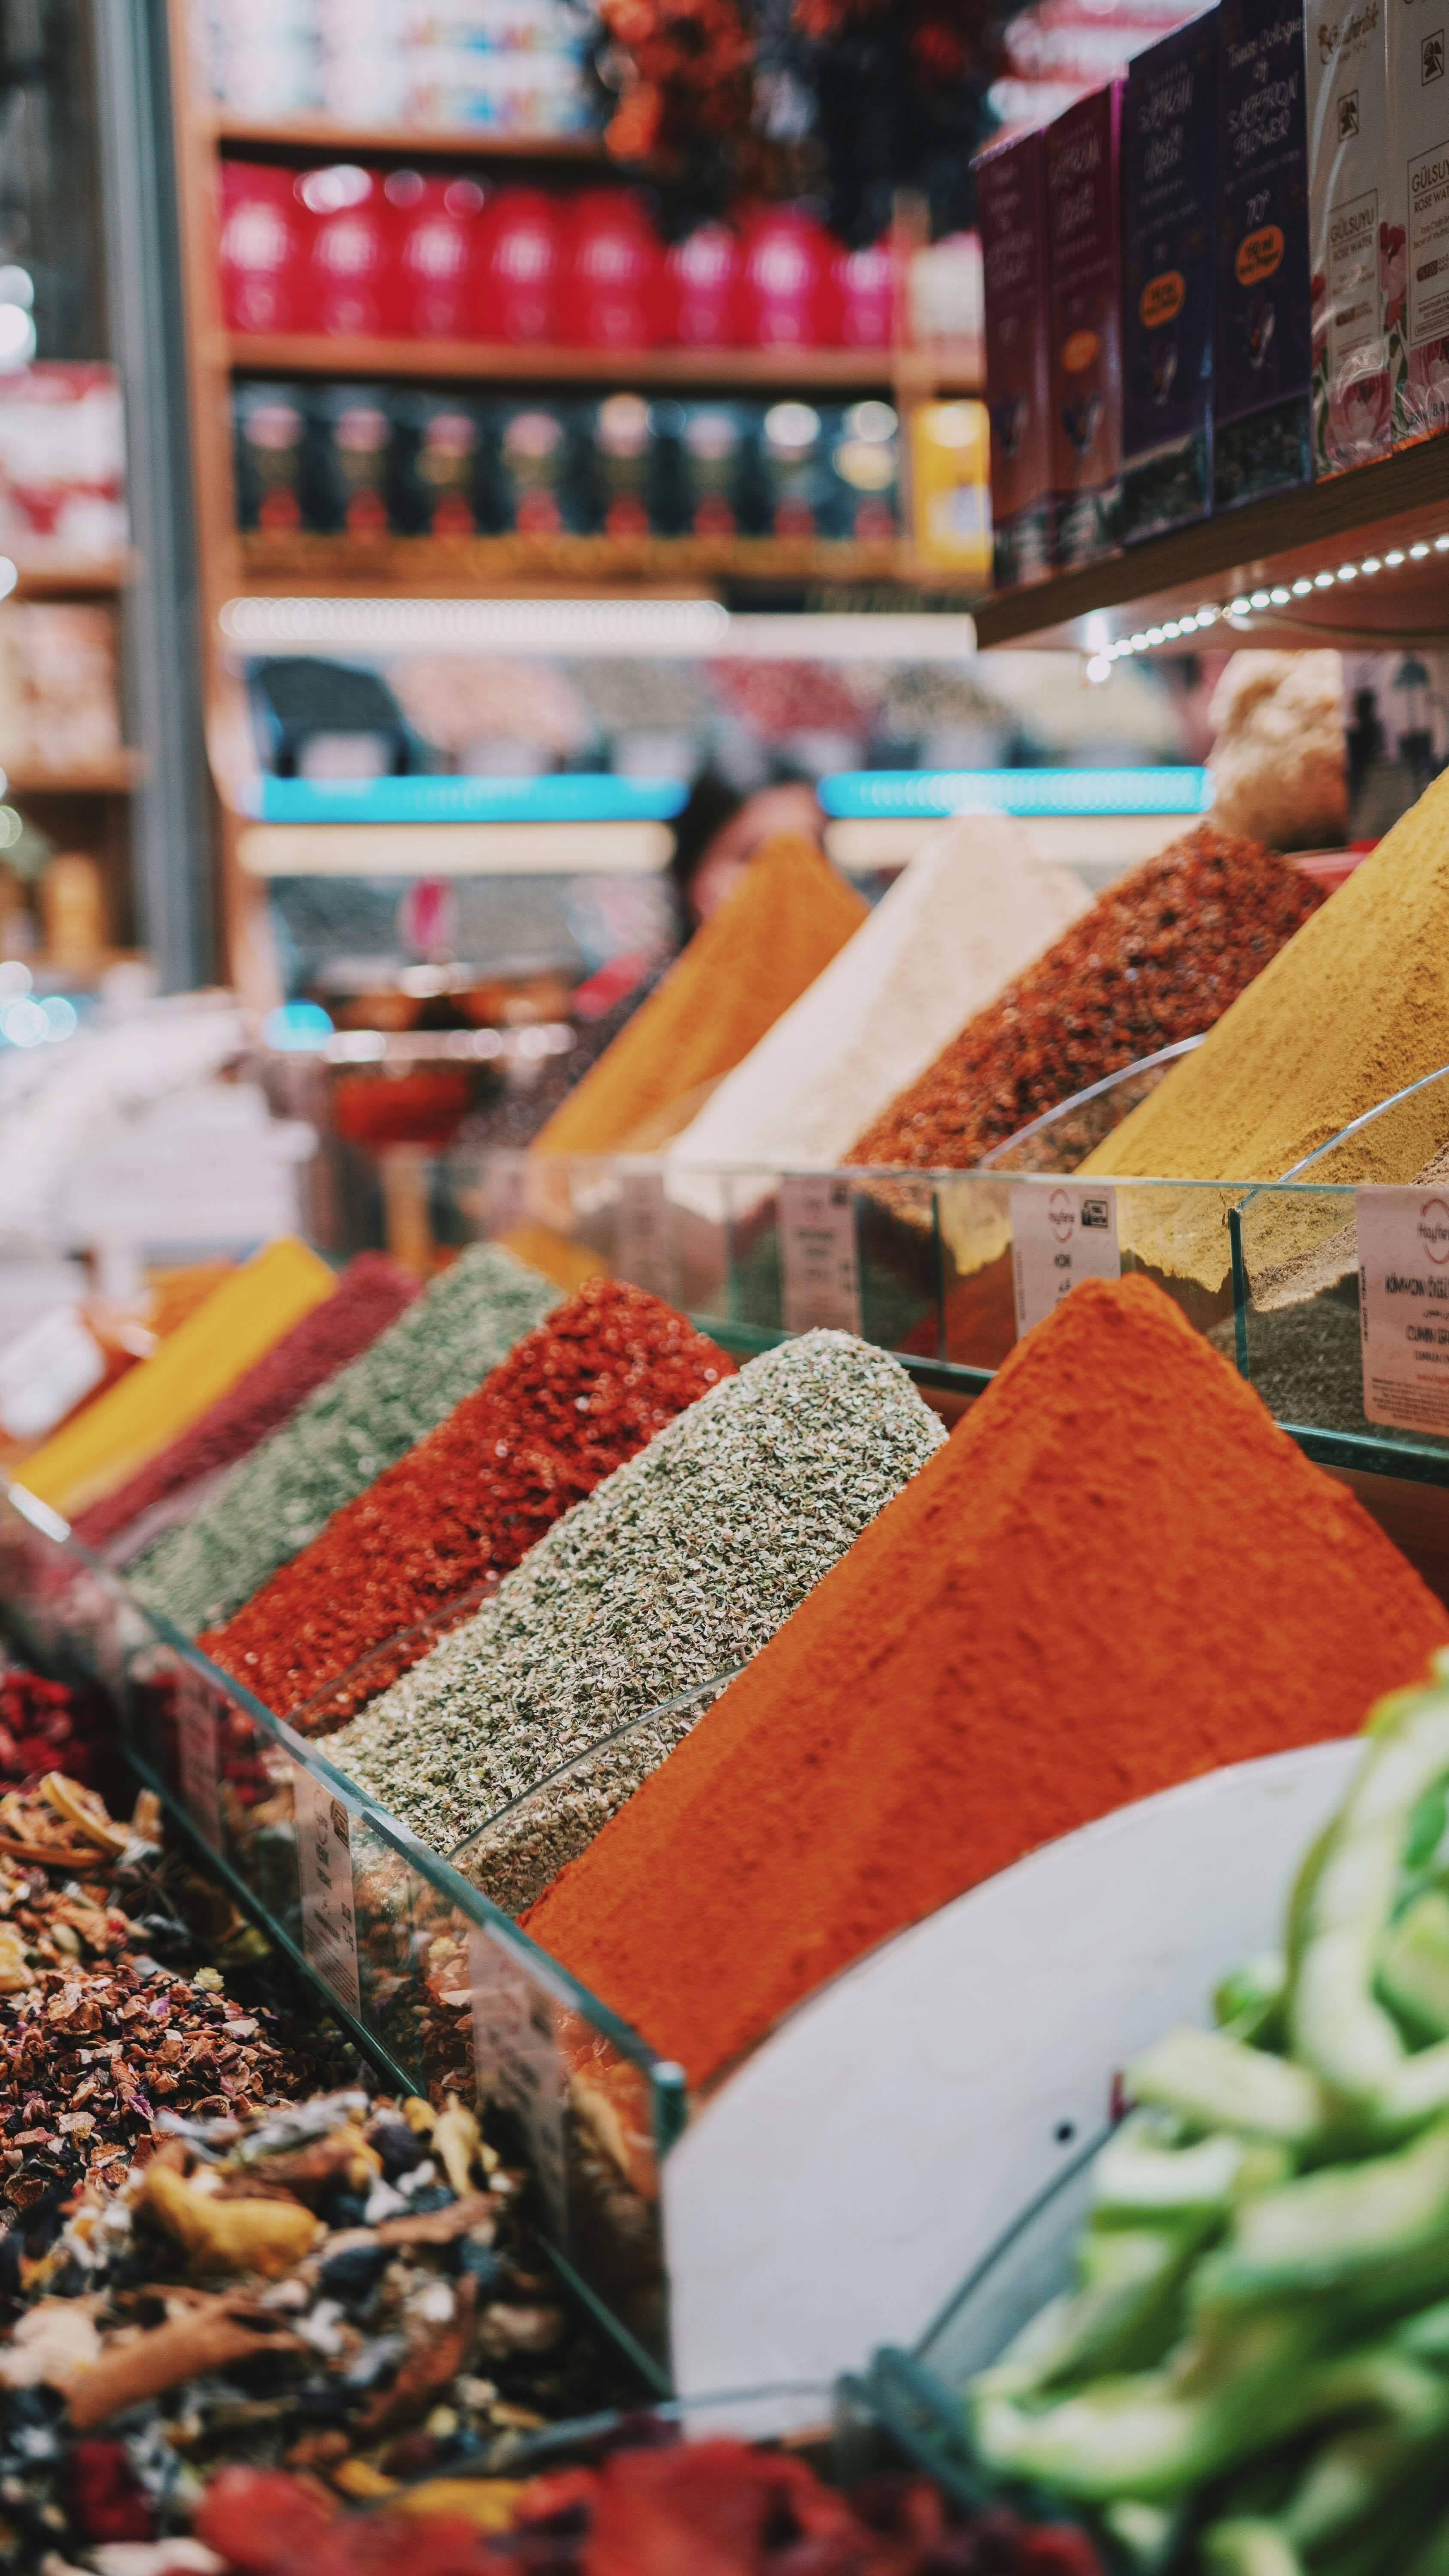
<point>1015,1646</point>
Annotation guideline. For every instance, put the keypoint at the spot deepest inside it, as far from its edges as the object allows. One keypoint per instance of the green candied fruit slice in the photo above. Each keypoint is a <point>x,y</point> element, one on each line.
<point>1143,2171</point>
<point>1337,2026</point>
<point>1214,2082</point>
<point>1249,2549</point>
<point>1338,2227</point>
<point>1413,1965</point>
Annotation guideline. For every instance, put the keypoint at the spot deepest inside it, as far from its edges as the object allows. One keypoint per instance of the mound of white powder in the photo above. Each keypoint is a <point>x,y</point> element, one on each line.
<point>971,910</point>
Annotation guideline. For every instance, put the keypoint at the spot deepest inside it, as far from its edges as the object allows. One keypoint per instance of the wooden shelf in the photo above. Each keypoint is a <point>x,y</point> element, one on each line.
<point>569,566</point>
<point>62,577</point>
<point>453,142</point>
<point>115,776</point>
<point>1381,509</point>
<point>485,361</point>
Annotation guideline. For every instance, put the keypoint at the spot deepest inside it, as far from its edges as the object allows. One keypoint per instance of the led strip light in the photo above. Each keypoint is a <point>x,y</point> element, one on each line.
<point>1250,603</point>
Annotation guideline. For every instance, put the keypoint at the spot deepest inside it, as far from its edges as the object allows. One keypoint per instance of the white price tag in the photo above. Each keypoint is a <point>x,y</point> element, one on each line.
<point>199,1755</point>
<point>45,1371</point>
<point>644,1249</point>
<point>517,2060</point>
<point>505,1193</point>
<point>819,1260</point>
<point>324,1868</point>
<point>1403,1277</point>
<point>1058,1236</point>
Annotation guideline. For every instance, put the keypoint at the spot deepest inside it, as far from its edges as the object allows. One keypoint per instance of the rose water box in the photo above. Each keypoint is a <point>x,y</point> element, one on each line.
<point>1416,239</point>
<point>1011,210</point>
<point>1084,262</point>
<point>1354,261</point>
<point>1263,362</point>
<point>1169,260</point>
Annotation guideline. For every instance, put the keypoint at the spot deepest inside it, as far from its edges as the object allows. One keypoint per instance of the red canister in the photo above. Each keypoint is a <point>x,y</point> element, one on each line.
<point>518,272</point>
<point>703,305</point>
<point>436,253</point>
<point>864,298</point>
<point>261,247</point>
<point>348,277</point>
<point>786,280</point>
<point>612,290</point>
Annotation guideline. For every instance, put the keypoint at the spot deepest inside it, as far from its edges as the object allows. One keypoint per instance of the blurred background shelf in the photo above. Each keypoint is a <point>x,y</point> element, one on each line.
<point>342,141</point>
<point>73,577</point>
<point>661,567</point>
<point>118,775</point>
<point>729,370</point>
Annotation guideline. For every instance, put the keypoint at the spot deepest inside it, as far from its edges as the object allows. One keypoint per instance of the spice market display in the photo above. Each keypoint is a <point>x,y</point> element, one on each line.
<point>673,1572</point>
<point>789,1833</point>
<point>358,1422</point>
<point>245,1315</point>
<point>370,1294</point>
<point>1158,957</point>
<point>595,1382</point>
<point>780,926</point>
<point>972,909</point>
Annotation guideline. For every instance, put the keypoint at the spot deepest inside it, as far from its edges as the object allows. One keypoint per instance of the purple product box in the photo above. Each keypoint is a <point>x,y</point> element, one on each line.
<point>1011,208</point>
<point>1169,255</point>
<point>1084,258</point>
<point>1263,382</point>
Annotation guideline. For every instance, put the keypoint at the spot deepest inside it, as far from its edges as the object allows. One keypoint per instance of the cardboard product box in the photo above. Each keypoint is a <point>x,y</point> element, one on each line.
<point>350,460</point>
<point>710,462</point>
<point>1263,367</point>
<point>1416,269</point>
<point>951,486</point>
<point>1084,259</point>
<point>1348,218</point>
<point>439,466</point>
<point>1011,209</point>
<point>1169,259</point>
<point>269,434</point>
<point>542,481</point>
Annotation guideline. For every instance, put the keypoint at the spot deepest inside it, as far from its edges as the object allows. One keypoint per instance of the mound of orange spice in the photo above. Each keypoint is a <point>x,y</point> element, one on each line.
<point>571,1402</point>
<point>1029,1636</point>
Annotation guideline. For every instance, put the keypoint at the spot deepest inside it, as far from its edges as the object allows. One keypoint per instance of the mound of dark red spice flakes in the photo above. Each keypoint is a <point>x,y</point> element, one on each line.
<point>1158,957</point>
<point>577,1397</point>
<point>46,1726</point>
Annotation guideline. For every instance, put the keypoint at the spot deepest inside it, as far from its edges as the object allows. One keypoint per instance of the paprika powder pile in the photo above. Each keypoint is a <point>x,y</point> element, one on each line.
<point>576,1398</point>
<point>1028,1637</point>
<point>370,1294</point>
<point>1158,957</point>
<point>770,938</point>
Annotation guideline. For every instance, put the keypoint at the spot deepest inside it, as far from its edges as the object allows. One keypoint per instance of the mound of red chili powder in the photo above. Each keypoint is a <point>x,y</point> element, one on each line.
<point>370,1294</point>
<point>1022,1641</point>
<point>571,1402</point>
<point>1158,957</point>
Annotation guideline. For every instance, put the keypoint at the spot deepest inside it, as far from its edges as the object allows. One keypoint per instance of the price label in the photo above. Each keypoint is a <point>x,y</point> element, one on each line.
<point>324,1868</point>
<point>505,1193</point>
<point>1403,1278</point>
<point>819,1258</point>
<point>644,1247</point>
<point>1059,1235</point>
<point>517,2058</point>
<point>199,1755</point>
<point>45,1371</point>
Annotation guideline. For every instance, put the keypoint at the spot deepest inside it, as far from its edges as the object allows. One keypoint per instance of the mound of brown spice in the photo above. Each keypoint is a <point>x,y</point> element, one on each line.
<point>1158,957</point>
<point>572,1401</point>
